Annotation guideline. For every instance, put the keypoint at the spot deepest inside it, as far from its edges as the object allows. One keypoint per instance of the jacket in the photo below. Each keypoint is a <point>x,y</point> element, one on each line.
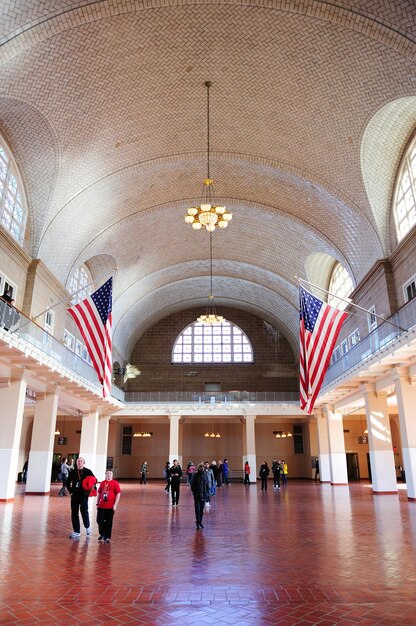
<point>75,480</point>
<point>199,486</point>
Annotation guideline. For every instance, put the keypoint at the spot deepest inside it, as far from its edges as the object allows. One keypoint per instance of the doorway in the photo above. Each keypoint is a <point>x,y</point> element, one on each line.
<point>353,470</point>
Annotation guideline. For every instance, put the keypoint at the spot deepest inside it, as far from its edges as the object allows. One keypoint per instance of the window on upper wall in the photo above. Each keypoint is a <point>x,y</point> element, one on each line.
<point>219,343</point>
<point>410,289</point>
<point>13,208</point>
<point>340,286</point>
<point>404,203</point>
<point>371,318</point>
<point>80,284</point>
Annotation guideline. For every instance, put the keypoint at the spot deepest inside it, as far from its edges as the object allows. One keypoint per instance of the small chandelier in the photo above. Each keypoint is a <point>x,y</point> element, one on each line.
<point>281,434</point>
<point>212,434</point>
<point>143,433</point>
<point>210,317</point>
<point>208,213</point>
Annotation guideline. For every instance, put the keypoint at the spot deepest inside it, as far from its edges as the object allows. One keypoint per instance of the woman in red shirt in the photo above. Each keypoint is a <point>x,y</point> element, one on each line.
<point>107,500</point>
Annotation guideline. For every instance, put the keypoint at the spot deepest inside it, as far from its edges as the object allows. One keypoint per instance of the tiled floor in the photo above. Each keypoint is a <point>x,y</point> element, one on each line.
<point>312,554</point>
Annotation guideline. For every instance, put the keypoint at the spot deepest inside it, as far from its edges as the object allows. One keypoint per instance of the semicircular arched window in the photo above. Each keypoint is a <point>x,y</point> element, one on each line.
<point>219,343</point>
<point>80,284</point>
<point>13,207</point>
<point>340,287</point>
<point>404,204</point>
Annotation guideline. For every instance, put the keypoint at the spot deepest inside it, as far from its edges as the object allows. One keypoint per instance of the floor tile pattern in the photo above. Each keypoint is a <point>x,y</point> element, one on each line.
<point>308,555</point>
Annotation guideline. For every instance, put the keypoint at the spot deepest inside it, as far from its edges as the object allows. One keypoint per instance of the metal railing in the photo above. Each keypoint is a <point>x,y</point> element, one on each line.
<point>377,341</point>
<point>217,397</point>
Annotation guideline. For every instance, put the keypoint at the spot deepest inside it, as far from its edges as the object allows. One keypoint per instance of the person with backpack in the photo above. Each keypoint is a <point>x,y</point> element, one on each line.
<point>264,473</point>
<point>107,501</point>
<point>166,476</point>
<point>79,497</point>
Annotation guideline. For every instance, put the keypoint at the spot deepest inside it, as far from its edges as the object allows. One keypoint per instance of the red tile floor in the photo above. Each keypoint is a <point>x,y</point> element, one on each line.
<point>311,554</point>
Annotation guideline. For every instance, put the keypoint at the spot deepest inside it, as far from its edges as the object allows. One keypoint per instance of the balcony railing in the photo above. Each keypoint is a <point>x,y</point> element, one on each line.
<point>208,397</point>
<point>377,341</point>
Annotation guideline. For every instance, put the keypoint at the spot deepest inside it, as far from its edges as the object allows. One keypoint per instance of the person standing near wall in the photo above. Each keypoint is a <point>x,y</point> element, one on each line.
<point>225,472</point>
<point>79,499</point>
<point>107,501</point>
<point>247,471</point>
<point>143,472</point>
<point>175,481</point>
<point>285,472</point>
<point>276,474</point>
<point>166,476</point>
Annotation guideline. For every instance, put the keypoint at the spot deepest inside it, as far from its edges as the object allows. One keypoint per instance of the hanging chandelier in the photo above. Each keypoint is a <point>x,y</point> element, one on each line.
<point>208,214</point>
<point>212,434</point>
<point>142,433</point>
<point>210,317</point>
<point>281,434</point>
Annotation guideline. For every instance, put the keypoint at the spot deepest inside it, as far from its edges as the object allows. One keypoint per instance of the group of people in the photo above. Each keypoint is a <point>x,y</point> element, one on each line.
<point>220,471</point>
<point>279,470</point>
<point>81,484</point>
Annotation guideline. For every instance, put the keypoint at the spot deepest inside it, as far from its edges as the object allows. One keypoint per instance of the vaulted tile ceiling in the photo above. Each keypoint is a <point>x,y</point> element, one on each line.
<point>104,106</point>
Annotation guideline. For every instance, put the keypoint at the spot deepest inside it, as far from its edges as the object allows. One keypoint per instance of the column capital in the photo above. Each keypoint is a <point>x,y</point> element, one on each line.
<point>367,388</point>
<point>250,414</point>
<point>174,416</point>
<point>401,373</point>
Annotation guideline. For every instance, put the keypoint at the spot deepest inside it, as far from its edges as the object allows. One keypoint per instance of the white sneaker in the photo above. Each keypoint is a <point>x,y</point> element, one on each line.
<point>88,530</point>
<point>74,535</point>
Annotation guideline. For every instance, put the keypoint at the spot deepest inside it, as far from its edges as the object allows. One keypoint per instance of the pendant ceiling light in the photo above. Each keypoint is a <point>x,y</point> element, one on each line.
<point>208,214</point>
<point>210,317</point>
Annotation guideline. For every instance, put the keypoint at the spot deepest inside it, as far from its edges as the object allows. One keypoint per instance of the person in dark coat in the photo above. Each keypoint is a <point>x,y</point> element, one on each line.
<point>264,472</point>
<point>175,481</point>
<point>200,491</point>
<point>79,499</point>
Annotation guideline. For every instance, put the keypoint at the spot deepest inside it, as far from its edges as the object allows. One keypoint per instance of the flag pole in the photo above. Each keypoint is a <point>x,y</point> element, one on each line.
<point>348,301</point>
<point>73,294</point>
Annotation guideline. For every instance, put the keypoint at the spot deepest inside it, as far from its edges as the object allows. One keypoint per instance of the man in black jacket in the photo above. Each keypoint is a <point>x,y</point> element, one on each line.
<point>79,498</point>
<point>175,481</point>
<point>200,490</point>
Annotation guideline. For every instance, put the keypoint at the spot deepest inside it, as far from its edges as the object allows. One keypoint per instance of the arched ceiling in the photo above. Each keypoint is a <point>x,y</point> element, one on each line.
<point>103,103</point>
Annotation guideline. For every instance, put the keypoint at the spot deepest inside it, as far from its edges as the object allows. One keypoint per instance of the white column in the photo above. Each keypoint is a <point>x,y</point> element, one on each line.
<point>174,438</point>
<point>383,473</point>
<point>12,402</point>
<point>336,444</point>
<point>323,447</point>
<point>102,445</point>
<point>406,402</point>
<point>89,436</point>
<point>250,446</point>
<point>41,447</point>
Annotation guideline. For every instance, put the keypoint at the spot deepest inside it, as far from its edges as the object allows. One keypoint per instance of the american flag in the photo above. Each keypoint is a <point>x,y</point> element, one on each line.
<point>319,329</point>
<point>94,318</point>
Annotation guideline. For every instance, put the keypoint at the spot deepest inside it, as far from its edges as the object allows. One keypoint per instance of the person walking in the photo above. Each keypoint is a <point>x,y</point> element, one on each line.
<point>247,471</point>
<point>166,476</point>
<point>175,481</point>
<point>143,471</point>
<point>225,472</point>
<point>200,492</point>
<point>107,501</point>
<point>190,473</point>
<point>65,469</point>
<point>211,483</point>
<point>285,472</point>
<point>276,474</point>
<point>219,473</point>
<point>317,469</point>
<point>264,473</point>
<point>79,498</point>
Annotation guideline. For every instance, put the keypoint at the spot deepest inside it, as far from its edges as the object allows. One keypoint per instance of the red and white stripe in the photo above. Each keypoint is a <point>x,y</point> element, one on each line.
<point>98,339</point>
<point>315,353</point>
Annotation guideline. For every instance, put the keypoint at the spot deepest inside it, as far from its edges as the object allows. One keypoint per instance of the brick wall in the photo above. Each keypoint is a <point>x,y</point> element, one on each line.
<point>273,369</point>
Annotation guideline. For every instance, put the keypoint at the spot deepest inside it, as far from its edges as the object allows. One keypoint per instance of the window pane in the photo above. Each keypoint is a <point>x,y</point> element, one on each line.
<point>224,343</point>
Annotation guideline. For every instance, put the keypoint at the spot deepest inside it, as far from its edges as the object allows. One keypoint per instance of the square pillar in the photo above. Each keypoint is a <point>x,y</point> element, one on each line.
<point>12,402</point>
<point>336,444</point>
<point>406,403</point>
<point>323,447</point>
<point>383,473</point>
<point>102,445</point>
<point>89,438</point>
<point>250,446</point>
<point>174,438</point>
<point>41,448</point>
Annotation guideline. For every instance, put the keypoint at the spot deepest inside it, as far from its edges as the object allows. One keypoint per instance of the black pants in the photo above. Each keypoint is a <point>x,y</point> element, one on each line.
<point>264,483</point>
<point>105,522</point>
<point>246,479</point>
<point>79,503</point>
<point>167,485</point>
<point>276,479</point>
<point>143,478</point>
<point>174,487</point>
<point>199,510</point>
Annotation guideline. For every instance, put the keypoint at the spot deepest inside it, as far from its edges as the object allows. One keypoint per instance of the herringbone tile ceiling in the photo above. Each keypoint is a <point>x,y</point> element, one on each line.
<point>104,106</point>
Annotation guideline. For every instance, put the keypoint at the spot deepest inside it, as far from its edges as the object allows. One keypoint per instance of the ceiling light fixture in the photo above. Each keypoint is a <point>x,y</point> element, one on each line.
<point>212,434</point>
<point>281,434</point>
<point>208,214</point>
<point>142,433</point>
<point>210,317</point>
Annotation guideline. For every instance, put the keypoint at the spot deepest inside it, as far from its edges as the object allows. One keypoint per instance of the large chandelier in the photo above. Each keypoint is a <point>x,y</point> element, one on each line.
<point>208,213</point>
<point>210,317</point>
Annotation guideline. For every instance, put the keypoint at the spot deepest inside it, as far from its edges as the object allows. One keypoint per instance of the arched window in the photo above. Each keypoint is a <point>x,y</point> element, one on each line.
<point>219,343</point>
<point>340,286</point>
<point>13,209</point>
<point>80,282</point>
<point>404,205</point>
